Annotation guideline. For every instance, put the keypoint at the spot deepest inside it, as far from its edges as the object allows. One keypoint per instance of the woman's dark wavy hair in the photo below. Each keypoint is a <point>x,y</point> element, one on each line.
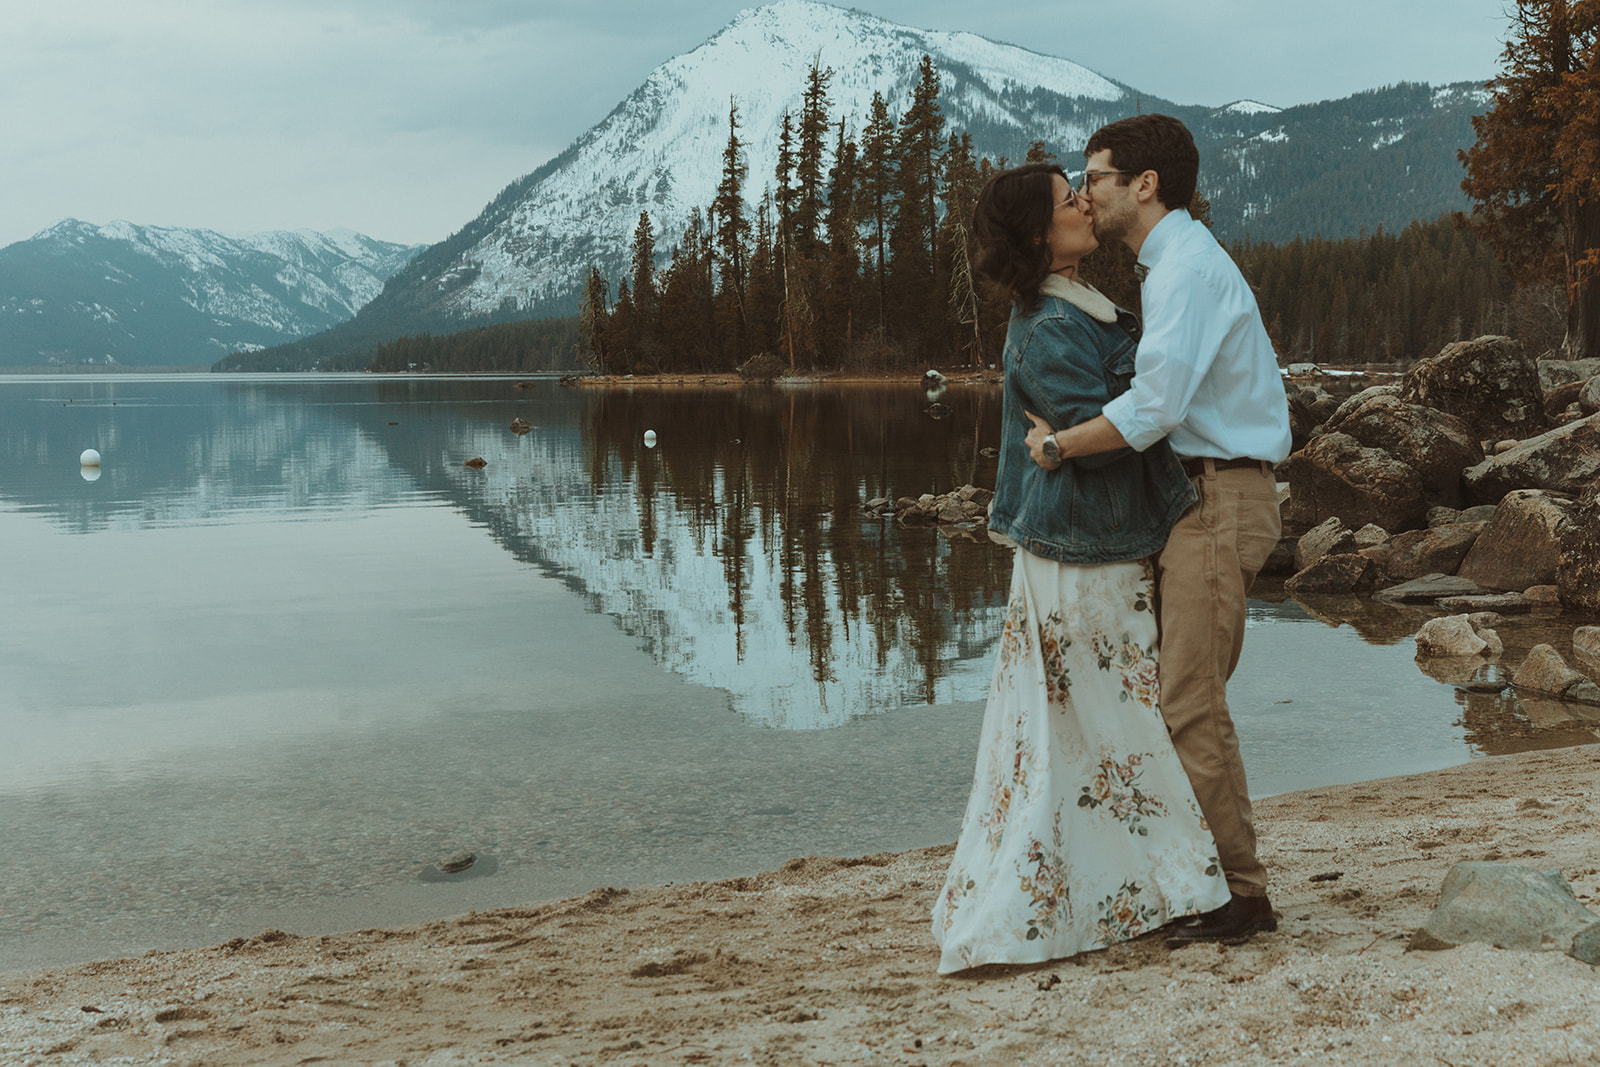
<point>1009,224</point>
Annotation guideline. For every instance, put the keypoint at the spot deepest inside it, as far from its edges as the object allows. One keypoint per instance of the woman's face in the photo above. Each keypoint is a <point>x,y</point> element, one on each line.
<point>1071,233</point>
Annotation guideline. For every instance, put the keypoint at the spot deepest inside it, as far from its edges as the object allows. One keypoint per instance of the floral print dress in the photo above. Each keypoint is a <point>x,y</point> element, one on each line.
<point>1082,829</point>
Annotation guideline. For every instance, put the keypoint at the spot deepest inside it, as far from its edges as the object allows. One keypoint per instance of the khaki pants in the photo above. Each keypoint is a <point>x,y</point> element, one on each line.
<point>1207,567</point>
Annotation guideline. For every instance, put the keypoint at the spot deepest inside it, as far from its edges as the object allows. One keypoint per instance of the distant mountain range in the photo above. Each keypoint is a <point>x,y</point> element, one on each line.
<point>1336,168</point>
<point>148,295</point>
<point>1383,157</point>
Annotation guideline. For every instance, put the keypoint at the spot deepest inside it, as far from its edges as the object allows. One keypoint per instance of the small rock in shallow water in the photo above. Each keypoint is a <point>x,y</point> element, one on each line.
<point>1429,587</point>
<point>519,427</point>
<point>477,463</point>
<point>1504,603</point>
<point>459,866</point>
<point>1449,636</point>
<point>458,862</point>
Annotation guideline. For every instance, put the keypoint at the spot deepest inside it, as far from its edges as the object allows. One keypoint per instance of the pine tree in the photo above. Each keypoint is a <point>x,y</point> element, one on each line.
<point>842,226</point>
<point>960,195</point>
<point>764,295</point>
<point>877,190</point>
<point>807,216</point>
<point>733,233</point>
<point>594,315</point>
<point>1534,174</point>
<point>623,332</point>
<point>642,262</point>
<point>913,276</point>
<point>783,237</point>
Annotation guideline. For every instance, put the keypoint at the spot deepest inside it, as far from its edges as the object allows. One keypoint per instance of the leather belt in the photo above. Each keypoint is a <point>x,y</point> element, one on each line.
<point>1195,466</point>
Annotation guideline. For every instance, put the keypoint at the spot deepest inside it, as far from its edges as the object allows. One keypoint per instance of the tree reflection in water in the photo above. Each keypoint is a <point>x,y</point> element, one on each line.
<point>737,548</point>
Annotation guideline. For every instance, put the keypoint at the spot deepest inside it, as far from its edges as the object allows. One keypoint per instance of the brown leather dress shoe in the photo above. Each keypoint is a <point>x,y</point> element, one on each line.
<point>1233,923</point>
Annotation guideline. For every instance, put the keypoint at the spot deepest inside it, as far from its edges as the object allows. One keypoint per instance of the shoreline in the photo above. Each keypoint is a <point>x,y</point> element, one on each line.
<point>830,961</point>
<point>964,376</point>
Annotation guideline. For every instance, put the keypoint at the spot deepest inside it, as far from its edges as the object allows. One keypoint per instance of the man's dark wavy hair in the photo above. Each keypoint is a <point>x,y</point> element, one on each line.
<point>1010,222</point>
<point>1152,142</point>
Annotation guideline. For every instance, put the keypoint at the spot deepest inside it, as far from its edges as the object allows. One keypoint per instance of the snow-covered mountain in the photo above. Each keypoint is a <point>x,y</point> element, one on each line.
<point>660,149</point>
<point>143,295</point>
<point>1379,158</point>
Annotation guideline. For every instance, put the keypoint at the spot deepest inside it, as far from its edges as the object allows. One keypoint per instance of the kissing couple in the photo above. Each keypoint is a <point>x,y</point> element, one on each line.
<point>1136,485</point>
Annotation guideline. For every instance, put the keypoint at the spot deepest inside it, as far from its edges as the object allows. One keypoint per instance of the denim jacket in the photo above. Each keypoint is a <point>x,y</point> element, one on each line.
<point>1063,364</point>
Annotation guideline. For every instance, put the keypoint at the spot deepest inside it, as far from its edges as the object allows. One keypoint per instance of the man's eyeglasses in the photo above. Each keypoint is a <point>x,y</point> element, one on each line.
<point>1091,176</point>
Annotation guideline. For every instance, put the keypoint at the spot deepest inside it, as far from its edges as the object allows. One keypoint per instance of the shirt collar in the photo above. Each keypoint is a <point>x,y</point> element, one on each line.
<point>1080,295</point>
<point>1161,236</point>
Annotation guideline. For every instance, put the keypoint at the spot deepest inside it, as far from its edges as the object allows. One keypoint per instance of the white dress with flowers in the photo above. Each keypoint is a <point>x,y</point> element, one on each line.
<point>1082,829</point>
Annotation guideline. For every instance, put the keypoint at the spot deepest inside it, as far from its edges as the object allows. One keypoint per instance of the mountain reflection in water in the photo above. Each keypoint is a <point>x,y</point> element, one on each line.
<point>737,550</point>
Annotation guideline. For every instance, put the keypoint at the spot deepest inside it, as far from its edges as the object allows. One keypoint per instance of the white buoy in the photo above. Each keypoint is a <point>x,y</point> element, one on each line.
<point>649,439</point>
<point>90,474</point>
<point>90,458</point>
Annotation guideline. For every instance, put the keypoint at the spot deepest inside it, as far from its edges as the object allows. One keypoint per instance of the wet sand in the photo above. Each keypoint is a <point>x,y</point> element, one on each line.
<point>830,961</point>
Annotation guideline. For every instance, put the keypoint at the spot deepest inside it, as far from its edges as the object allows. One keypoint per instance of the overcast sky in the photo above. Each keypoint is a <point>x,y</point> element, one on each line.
<point>403,118</point>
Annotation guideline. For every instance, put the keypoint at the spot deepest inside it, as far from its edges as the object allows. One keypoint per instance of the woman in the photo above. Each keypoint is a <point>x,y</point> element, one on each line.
<point>1082,829</point>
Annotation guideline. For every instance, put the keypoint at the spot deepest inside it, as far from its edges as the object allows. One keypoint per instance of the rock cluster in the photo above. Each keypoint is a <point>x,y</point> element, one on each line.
<point>1479,463</point>
<point>966,506</point>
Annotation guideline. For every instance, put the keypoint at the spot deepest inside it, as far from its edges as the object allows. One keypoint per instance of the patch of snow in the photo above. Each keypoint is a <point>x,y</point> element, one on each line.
<point>1248,107</point>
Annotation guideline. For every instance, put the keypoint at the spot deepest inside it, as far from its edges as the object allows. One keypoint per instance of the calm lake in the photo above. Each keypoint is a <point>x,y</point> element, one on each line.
<point>286,650</point>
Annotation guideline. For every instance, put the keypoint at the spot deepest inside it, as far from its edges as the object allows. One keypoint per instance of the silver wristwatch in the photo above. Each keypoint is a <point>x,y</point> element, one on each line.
<point>1051,449</point>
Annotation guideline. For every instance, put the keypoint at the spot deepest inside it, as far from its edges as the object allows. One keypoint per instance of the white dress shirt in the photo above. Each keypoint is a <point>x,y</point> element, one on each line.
<point>1205,375</point>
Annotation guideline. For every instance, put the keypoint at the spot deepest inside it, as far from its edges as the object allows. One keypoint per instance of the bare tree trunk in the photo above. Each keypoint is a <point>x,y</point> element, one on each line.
<point>1582,226</point>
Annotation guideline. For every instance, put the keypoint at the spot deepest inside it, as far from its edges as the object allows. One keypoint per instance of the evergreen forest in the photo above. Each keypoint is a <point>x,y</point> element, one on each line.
<point>857,258</point>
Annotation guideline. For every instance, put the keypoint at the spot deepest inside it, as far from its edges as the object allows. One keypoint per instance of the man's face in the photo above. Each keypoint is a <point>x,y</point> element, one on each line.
<point>1111,205</point>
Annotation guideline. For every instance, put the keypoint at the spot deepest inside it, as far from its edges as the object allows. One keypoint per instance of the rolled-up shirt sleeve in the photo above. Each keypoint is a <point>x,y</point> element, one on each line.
<point>1182,334</point>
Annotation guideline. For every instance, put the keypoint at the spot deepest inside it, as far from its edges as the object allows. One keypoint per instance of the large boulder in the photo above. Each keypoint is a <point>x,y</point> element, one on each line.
<point>1452,635</point>
<point>1435,444</point>
<point>1329,537</point>
<point>1554,373</point>
<point>1521,545</point>
<point>1589,398</point>
<point>1559,399</point>
<point>1578,569</point>
<point>1437,550</point>
<point>1490,383</point>
<point>1309,408</point>
<point>1371,536</point>
<point>1428,589</point>
<point>1565,460</point>
<point>1510,907</point>
<point>1336,475</point>
<point>1355,401</point>
<point>1334,574</point>
<point>1544,671</point>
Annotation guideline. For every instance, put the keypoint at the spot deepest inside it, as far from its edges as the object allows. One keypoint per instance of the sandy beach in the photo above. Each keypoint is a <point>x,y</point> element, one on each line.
<point>830,961</point>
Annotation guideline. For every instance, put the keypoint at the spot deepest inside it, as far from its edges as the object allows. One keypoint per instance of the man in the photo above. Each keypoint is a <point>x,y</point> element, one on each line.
<point>1206,379</point>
